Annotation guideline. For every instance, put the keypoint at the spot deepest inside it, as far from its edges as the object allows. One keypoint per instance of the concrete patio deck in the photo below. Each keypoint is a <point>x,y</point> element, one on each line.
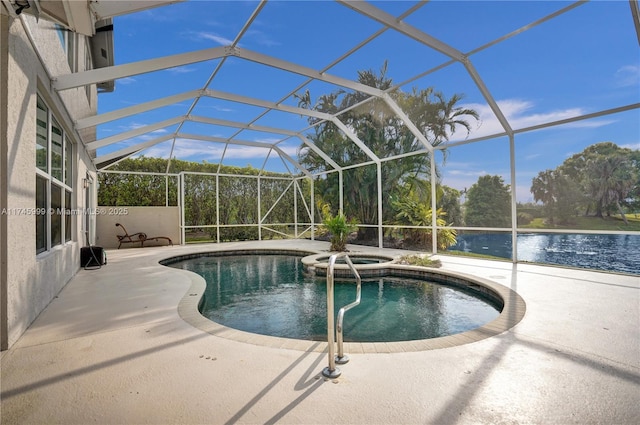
<point>111,348</point>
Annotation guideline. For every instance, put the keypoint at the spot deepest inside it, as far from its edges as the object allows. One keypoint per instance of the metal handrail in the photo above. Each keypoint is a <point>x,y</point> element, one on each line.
<point>343,358</point>
<point>332,371</point>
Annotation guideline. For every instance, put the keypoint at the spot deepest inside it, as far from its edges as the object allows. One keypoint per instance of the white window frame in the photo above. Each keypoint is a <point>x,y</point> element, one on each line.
<point>67,143</point>
<point>69,41</point>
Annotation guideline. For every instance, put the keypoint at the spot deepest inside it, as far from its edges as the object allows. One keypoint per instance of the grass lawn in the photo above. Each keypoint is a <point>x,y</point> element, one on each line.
<point>473,255</point>
<point>591,223</point>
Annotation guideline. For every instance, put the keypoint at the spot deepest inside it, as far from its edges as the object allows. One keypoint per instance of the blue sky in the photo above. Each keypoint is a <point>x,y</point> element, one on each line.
<point>583,61</point>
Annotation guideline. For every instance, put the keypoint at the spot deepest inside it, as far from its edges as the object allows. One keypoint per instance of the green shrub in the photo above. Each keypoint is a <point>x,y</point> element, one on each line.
<point>524,218</point>
<point>419,260</point>
<point>339,227</point>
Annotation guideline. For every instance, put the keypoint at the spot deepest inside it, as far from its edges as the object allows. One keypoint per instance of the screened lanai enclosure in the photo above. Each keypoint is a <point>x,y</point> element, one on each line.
<point>502,129</point>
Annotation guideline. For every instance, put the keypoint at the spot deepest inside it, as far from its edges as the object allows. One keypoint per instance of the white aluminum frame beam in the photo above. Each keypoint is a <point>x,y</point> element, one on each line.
<point>216,139</point>
<point>514,201</point>
<point>136,109</point>
<point>635,14</point>
<point>355,139</point>
<point>94,76</point>
<point>488,97</point>
<point>235,124</point>
<point>410,125</point>
<point>218,67</point>
<point>390,21</point>
<point>319,151</point>
<point>266,160</point>
<point>308,72</point>
<point>222,140</point>
<point>295,163</point>
<point>172,121</point>
<point>545,125</point>
<point>275,204</point>
<point>130,150</point>
<point>266,104</point>
<point>134,133</point>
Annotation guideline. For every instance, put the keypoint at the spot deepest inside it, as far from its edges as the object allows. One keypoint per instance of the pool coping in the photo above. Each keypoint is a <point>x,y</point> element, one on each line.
<point>513,309</point>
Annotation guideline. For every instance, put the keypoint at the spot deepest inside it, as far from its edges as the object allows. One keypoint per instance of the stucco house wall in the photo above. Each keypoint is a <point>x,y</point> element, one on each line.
<point>154,221</point>
<point>31,54</point>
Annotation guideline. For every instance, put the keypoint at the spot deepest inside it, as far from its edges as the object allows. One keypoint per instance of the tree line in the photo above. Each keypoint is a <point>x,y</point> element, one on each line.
<point>603,179</point>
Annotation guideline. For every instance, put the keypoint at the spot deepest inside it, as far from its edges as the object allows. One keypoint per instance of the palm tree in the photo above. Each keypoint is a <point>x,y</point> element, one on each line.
<point>385,134</point>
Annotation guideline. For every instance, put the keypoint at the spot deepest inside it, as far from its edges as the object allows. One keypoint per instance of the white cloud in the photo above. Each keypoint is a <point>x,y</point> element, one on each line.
<point>134,140</point>
<point>212,152</point>
<point>152,135</point>
<point>127,80</point>
<point>269,140</point>
<point>181,69</point>
<point>523,193</point>
<point>628,76</point>
<point>183,150</point>
<point>633,146</point>
<point>214,23</point>
<point>519,115</point>
<point>472,173</point>
<point>216,108</point>
<point>209,36</point>
<point>291,150</point>
<point>154,15</point>
<point>131,126</point>
<point>304,150</point>
<point>262,39</point>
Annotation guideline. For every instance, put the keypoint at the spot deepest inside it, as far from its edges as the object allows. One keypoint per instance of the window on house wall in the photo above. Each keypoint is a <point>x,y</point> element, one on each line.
<point>42,204</point>
<point>68,181</point>
<point>42,127</point>
<point>87,66</point>
<point>67,216</point>
<point>56,214</point>
<point>69,43</point>
<point>56,149</point>
<point>54,181</point>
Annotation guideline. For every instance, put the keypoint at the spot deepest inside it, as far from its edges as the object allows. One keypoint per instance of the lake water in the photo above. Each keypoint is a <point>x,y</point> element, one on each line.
<point>619,253</point>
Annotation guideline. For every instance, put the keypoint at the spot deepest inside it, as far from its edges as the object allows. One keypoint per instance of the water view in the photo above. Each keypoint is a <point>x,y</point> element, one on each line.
<point>619,253</point>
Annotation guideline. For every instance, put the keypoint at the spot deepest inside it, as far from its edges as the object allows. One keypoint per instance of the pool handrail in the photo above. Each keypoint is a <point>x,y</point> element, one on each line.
<point>332,371</point>
<point>341,357</point>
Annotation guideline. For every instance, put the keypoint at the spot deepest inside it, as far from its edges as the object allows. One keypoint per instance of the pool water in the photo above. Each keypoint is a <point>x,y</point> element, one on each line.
<point>271,295</point>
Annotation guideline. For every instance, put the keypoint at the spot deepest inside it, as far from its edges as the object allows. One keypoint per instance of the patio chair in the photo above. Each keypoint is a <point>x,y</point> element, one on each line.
<point>137,237</point>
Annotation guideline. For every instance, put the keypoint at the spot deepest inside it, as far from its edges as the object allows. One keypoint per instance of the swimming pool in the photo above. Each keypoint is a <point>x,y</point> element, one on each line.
<point>271,294</point>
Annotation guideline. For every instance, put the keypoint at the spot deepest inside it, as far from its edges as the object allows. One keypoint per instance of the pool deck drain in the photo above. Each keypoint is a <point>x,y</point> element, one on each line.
<point>112,349</point>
